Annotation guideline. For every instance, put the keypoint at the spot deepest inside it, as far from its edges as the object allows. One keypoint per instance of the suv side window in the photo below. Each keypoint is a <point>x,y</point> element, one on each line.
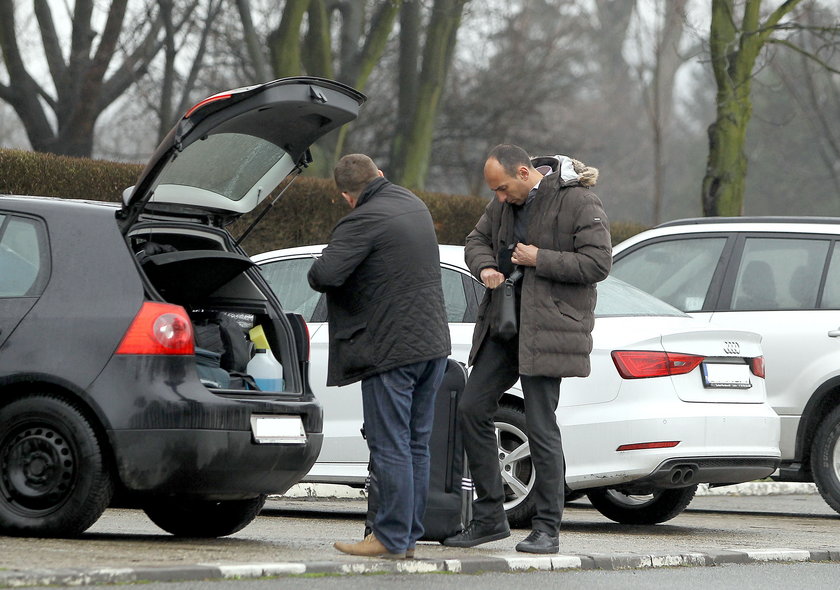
<point>24,263</point>
<point>779,273</point>
<point>676,271</point>
<point>831,293</point>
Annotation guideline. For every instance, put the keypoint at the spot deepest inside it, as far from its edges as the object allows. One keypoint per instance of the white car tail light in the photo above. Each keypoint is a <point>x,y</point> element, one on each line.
<point>642,364</point>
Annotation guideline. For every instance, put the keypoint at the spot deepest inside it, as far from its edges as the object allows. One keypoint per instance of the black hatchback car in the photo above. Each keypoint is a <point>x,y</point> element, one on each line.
<point>116,321</point>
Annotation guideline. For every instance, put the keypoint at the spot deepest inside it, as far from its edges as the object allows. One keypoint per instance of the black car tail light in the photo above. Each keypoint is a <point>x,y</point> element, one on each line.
<point>641,364</point>
<point>159,328</point>
<point>301,333</point>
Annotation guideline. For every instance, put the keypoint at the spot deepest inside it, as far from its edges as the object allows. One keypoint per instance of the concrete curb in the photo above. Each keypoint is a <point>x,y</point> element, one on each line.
<point>762,488</point>
<point>500,563</point>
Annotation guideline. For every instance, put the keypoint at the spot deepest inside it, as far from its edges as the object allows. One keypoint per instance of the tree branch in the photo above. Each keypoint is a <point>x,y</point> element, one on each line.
<point>252,42</point>
<point>133,66</point>
<point>834,29</point>
<point>81,40</point>
<point>212,13</point>
<point>381,26</point>
<point>807,54</point>
<point>51,43</point>
<point>769,25</point>
<point>109,38</point>
<point>780,12</point>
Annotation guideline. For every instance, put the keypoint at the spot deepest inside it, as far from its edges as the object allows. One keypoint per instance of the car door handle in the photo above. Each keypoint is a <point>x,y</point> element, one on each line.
<point>834,333</point>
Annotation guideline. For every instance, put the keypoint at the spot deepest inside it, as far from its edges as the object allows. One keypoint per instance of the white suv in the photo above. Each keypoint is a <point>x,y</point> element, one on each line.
<point>779,276</point>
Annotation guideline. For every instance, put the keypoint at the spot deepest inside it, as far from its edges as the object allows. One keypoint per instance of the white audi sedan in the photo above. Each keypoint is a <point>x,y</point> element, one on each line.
<point>671,402</point>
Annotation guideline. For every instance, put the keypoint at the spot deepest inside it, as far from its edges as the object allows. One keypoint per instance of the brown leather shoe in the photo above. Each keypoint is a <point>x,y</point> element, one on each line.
<point>369,547</point>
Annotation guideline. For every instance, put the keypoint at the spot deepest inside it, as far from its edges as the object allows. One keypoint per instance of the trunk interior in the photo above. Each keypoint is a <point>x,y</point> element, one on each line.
<point>243,341</point>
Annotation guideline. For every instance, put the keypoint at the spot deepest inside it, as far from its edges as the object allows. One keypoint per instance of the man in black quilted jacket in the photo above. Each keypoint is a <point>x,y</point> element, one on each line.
<point>388,328</point>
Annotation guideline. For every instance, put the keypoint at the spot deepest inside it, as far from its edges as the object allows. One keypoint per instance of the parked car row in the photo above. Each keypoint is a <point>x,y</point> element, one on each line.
<point>671,402</point>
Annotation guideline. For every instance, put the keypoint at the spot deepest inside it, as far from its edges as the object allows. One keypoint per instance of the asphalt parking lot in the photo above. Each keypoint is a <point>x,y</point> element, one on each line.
<point>294,535</point>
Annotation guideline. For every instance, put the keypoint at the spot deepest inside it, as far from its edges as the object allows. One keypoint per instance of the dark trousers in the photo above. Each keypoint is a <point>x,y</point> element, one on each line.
<point>495,370</point>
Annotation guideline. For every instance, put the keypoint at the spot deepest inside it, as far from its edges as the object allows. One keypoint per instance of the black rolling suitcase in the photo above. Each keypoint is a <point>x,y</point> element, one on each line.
<point>449,504</point>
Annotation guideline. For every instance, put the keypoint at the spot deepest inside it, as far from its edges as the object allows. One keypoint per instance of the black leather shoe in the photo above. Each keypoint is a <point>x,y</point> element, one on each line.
<point>539,542</point>
<point>477,533</point>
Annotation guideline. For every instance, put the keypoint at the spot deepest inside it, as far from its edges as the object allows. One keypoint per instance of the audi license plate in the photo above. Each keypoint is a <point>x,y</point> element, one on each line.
<point>286,430</point>
<point>726,376</point>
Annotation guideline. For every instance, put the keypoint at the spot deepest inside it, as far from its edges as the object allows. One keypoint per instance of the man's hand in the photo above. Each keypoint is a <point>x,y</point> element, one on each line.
<point>524,254</point>
<point>491,277</point>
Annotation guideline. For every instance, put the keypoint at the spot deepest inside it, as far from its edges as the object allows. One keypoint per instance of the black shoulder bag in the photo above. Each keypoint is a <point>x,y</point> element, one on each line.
<point>504,323</point>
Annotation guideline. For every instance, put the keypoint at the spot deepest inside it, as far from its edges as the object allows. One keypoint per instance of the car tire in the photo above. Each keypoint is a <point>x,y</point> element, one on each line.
<point>54,479</point>
<point>191,517</point>
<point>572,496</point>
<point>515,465</point>
<point>653,508</point>
<point>825,459</point>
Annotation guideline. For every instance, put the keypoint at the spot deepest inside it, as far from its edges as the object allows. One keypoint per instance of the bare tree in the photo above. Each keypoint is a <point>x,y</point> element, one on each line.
<point>86,79</point>
<point>346,40</point>
<point>513,83</point>
<point>817,95</point>
<point>420,101</point>
<point>735,47</point>
<point>196,28</point>
<point>305,41</point>
<point>657,79</point>
<point>252,40</point>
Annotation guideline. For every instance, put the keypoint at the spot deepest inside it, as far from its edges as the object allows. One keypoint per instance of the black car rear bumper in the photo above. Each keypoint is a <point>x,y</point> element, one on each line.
<point>171,435</point>
<point>221,464</point>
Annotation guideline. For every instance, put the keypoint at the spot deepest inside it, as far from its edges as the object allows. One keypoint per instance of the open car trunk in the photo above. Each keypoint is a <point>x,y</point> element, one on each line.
<point>234,314</point>
<point>220,161</point>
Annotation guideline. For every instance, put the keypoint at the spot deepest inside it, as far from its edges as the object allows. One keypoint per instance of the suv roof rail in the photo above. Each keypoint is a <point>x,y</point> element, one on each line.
<point>750,219</point>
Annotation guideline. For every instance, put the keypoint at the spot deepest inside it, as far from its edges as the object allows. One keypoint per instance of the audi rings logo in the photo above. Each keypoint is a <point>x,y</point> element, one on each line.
<point>731,347</point>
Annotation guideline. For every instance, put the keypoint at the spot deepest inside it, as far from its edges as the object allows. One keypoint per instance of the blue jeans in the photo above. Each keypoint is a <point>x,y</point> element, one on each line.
<point>398,410</point>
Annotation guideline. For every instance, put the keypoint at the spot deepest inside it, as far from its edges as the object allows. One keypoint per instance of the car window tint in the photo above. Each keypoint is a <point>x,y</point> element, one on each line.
<point>22,255</point>
<point>676,271</point>
<point>287,279</point>
<point>831,293</point>
<point>779,273</point>
<point>454,296</point>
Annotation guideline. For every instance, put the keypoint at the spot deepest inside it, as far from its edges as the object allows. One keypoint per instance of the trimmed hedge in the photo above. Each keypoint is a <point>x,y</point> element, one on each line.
<point>305,214</point>
<point>48,175</point>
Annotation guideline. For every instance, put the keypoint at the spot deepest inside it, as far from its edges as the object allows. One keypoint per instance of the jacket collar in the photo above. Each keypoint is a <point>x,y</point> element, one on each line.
<point>373,187</point>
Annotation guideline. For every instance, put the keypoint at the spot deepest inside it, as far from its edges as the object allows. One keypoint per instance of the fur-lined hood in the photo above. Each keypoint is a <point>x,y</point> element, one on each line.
<point>571,170</point>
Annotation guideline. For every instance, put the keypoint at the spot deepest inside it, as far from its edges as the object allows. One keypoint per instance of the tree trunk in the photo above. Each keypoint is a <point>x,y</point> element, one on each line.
<point>408,73</point>
<point>252,42</point>
<point>667,61</point>
<point>734,51</point>
<point>317,49</point>
<point>416,143</point>
<point>285,41</point>
<point>356,60</point>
